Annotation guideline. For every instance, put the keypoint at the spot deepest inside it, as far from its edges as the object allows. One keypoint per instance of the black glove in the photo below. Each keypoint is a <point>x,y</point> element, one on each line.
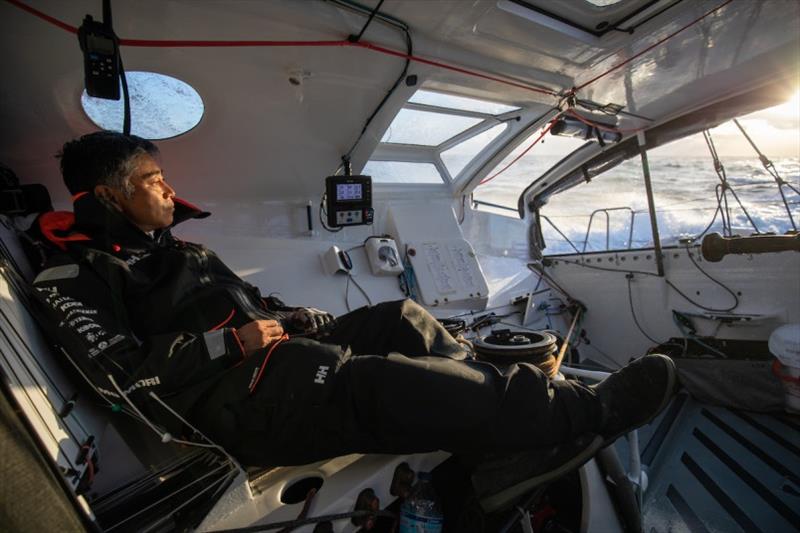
<point>308,320</point>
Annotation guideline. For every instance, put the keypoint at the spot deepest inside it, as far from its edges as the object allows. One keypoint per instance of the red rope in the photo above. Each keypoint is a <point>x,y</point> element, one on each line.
<point>155,43</point>
<point>445,66</point>
<point>43,16</point>
<point>360,44</point>
<point>528,149</point>
<point>670,36</point>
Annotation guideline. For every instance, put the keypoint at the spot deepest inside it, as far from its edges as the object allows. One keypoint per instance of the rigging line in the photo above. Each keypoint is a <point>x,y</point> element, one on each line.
<point>223,480</point>
<point>163,469</point>
<point>37,406</point>
<point>388,51</point>
<point>560,232</point>
<point>591,345</point>
<point>167,496</point>
<point>360,288</point>
<point>719,191</point>
<point>322,221</point>
<point>714,218</point>
<point>44,16</point>
<point>29,364</point>
<point>772,171</point>
<point>657,43</point>
<point>688,335</point>
<point>735,298</point>
<point>538,267</point>
<point>633,312</point>
<point>211,443</point>
<point>539,138</point>
<point>161,435</point>
<point>567,340</point>
<point>666,280</point>
<point>390,92</point>
<point>262,43</point>
<point>720,169</point>
<point>369,20</point>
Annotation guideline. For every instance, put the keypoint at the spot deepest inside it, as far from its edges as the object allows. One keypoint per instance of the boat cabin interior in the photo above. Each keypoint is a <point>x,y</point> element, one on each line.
<point>574,182</point>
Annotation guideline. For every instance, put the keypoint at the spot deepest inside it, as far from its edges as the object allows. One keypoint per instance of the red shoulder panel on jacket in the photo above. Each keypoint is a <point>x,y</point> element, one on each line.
<point>56,226</point>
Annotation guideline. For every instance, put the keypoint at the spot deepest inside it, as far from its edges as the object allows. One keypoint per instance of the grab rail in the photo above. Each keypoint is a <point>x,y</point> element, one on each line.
<point>605,211</point>
<point>490,204</point>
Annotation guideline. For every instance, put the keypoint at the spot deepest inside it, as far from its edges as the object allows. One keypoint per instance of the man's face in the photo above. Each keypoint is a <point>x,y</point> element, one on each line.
<point>151,207</point>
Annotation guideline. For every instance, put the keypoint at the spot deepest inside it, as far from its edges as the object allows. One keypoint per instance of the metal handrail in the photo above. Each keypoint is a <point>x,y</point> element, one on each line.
<point>560,233</point>
<point>605,211</point>
<point>498,206</point>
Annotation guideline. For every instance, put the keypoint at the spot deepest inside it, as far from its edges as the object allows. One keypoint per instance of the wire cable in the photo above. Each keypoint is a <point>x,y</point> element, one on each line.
<point>369,20</point>
<point>322,220</point>
<point>735,297</point>
<point>528,149</point>
<point>347,291</point>
<point>667,281</point>
<point>633,312</point>
<point>772,171</point>
<point>720,170</point>
<point>392,89</point>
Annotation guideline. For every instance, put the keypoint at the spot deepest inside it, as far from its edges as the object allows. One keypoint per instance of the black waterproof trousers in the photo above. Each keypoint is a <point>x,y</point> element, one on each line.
<point>388,379</point>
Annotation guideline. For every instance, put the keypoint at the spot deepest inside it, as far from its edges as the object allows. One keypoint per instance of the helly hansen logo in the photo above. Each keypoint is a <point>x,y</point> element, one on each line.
<point>322,373</point>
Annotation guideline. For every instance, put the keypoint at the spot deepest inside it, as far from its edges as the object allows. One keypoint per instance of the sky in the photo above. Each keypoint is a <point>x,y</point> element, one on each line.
<point>776,132</point>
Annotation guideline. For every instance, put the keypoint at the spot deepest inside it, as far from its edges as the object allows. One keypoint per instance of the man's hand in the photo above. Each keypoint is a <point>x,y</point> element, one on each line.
<point>259,334</point>
<point>308,320</point>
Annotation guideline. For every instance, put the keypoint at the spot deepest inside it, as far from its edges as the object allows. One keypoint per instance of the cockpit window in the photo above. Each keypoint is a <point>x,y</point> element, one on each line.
<point>603,3</point>
<point>402,172</point>
<point>435,136</point>
<point>460,102</point>
<point>161,107</point>
<point>457,157</point>
<point>693,194</point>
<point>503,187</point>
<point>428,129</point>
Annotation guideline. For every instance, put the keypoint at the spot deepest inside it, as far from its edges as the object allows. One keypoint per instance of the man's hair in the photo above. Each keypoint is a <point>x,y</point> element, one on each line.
<point>102,158</point>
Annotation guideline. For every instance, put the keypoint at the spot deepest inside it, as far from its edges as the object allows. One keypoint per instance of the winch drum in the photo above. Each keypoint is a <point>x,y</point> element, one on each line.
<point>506,347</point>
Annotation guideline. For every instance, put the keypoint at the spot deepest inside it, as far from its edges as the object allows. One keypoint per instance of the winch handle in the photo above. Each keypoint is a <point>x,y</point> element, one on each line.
<point>715,246</point>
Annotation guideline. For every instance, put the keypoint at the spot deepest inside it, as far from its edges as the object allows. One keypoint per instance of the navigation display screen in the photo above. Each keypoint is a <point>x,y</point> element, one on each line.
<point>348,191</point>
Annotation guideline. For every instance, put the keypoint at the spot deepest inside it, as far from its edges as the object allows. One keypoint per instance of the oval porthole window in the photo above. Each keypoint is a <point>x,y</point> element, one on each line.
<point>161,107</point>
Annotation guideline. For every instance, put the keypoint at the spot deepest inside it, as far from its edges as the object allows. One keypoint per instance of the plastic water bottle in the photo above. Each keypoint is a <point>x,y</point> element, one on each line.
<point>422,512</point>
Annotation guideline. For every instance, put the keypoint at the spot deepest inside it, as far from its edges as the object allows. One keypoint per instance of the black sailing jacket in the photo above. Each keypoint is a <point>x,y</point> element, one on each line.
<point>141,314</point>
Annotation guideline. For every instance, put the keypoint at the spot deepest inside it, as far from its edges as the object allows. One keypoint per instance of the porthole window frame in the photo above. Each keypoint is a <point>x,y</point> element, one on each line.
<point>83,97</point>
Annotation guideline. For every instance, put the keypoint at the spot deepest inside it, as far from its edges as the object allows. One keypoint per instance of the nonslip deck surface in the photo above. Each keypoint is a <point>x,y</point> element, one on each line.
<point>713,469</point>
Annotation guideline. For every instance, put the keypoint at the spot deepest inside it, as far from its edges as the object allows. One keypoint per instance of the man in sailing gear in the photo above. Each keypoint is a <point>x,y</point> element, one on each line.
<point>143,312</point>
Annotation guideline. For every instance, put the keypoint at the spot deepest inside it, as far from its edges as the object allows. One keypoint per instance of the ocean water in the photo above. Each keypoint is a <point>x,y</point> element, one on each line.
<point>684,193</point>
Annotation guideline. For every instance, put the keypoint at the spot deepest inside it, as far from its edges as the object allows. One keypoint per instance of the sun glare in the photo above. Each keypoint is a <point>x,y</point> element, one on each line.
<point>790,107</point>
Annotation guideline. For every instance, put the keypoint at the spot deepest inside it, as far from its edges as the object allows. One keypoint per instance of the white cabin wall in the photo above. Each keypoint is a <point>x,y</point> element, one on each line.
<point>260,136</point>
<point>268,244</point>
<point>767,286</point>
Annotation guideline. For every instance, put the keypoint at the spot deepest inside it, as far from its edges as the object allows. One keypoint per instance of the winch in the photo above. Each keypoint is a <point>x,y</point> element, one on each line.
<point>506,346</point>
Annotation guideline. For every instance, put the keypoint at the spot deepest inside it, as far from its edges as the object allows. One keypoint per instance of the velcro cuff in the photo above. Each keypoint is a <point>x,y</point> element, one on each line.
<point>215,343</point>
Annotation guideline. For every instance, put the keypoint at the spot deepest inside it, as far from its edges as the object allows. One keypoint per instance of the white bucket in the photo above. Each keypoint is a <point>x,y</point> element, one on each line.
<point>784,343</point>
<point>790,377</point>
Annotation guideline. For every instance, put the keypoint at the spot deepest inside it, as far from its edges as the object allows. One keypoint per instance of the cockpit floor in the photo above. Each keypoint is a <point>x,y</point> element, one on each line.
<point>715,469</point>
